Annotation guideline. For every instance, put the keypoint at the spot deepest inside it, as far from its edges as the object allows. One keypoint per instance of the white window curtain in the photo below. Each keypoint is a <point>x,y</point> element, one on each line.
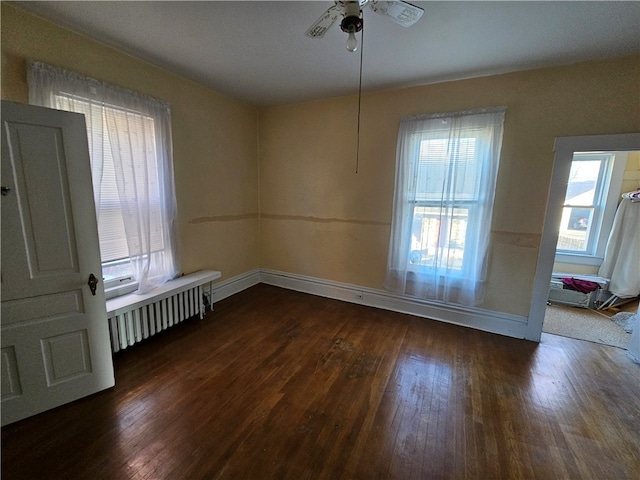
<point>130,148</point>
<point>446,171</point>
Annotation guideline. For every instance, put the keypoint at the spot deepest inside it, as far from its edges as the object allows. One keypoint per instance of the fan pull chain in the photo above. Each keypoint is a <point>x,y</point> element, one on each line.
<point>359,100</point>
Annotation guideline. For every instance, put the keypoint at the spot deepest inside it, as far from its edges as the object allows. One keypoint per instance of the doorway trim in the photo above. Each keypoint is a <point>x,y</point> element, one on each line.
<point>564,149</point>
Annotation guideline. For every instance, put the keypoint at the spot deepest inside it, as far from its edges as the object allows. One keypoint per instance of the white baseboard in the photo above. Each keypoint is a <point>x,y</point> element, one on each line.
<point>233,285</point>
<point>485,320</point>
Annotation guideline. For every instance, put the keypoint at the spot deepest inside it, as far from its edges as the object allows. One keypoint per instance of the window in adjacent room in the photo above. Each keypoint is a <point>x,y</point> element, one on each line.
<point>446,170</point>
<point>589,206</point>
<point>129,138</point>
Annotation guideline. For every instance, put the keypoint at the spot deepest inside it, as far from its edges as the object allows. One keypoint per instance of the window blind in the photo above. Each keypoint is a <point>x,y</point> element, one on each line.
<point>114,244</point>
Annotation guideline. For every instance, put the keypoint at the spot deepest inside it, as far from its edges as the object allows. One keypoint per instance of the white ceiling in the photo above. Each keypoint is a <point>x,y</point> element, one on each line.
<point>257,51</point>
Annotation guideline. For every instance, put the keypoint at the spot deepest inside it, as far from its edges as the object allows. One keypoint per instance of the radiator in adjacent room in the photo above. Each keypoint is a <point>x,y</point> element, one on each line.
<point>133,318</point>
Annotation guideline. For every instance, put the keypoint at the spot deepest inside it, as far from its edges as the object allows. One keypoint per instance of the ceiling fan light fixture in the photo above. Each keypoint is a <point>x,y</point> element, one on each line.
<point>351,25</point>
<point>352,42</point>
<point>399,11</point>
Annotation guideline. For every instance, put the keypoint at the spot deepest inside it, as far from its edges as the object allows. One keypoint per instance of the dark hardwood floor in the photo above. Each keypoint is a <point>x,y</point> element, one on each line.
<point>276,384</point>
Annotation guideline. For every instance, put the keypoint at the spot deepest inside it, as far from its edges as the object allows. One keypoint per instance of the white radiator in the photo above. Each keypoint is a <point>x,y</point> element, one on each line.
<point>133,318</point>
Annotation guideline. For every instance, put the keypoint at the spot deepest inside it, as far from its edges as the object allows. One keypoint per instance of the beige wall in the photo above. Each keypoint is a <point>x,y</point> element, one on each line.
<point>320,218</point>
<point>214,138</point>
<point>631,178</point>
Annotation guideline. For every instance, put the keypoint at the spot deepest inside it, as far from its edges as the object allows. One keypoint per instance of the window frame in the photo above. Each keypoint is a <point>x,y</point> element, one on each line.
<point>450,186</point>
<point>150,139</point>
<point>607,195</point>
<point>124,283</point>
<point>469,205</point>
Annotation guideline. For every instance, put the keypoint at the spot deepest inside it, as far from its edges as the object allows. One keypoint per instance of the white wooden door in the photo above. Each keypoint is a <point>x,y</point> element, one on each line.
<point>55,338</point>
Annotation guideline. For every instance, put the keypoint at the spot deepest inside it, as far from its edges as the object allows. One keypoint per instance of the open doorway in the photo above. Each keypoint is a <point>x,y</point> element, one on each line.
<point>580,305</point>
<point>565,149</point>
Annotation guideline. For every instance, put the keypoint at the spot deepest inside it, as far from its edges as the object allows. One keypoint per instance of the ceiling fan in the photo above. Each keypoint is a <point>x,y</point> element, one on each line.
<point>399,11</point>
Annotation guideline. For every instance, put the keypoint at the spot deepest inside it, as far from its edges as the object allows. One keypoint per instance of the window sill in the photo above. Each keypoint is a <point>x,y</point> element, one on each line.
<point>578,259</point>
<point>128,302</point>
<point>120,290</point>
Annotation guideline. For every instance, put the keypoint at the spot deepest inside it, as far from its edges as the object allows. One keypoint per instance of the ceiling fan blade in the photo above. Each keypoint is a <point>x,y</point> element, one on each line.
<point>400,12</point>
<point>323,24</point>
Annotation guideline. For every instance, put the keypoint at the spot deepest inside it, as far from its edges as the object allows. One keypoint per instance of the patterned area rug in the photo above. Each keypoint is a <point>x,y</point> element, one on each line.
<point>584,324</point>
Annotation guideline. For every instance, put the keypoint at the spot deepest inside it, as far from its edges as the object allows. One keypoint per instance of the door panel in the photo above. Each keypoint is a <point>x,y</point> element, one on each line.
<point>55,339</point>
<point>43,226</point>
<point>51,248</point>
<point>11,387</point>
